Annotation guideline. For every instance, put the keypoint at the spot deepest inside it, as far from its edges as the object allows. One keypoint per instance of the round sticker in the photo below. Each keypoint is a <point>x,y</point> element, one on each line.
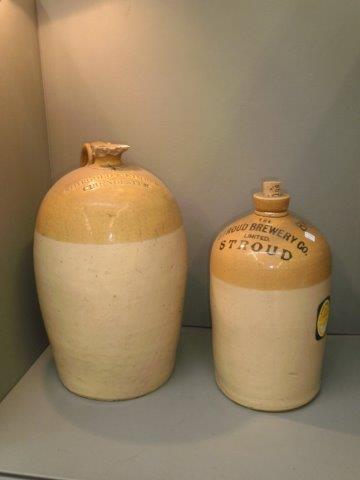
<point>322,318</point>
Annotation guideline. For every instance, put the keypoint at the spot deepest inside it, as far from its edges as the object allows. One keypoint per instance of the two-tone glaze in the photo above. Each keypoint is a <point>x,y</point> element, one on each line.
<point>270,287</point>
<point>110,265</point>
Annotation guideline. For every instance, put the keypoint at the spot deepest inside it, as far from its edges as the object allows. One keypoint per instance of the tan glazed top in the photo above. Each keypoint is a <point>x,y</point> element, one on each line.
<point>106,201</point>
<point>271,249</point>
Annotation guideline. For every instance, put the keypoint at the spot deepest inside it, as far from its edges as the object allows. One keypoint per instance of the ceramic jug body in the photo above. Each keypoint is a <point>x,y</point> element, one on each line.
<point>110,266</point>
<point>270,297</point>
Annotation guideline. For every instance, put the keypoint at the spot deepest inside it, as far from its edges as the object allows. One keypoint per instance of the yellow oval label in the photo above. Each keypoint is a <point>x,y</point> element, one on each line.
<point>322,318</point>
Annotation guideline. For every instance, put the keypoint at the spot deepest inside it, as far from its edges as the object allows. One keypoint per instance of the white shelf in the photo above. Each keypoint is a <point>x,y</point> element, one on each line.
<point>185,430</point>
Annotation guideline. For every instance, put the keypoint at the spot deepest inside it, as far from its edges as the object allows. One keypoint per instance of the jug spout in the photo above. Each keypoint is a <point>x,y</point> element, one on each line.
<point>104,153</point>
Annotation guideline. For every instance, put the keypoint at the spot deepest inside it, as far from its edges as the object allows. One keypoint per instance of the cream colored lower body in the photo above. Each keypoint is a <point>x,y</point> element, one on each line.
<point>112,312</point>
<point>265,349</point>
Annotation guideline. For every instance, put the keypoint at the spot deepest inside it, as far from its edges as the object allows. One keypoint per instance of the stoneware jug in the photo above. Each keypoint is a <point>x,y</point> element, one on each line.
<point>110,267</point>
<point>270,299</point>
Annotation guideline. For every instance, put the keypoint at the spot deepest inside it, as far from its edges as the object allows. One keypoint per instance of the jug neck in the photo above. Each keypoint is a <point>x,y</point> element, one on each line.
<point>271,202</point>
<point>103,154</point>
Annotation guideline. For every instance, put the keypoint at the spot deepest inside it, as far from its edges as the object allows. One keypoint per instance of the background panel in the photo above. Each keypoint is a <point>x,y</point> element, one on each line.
<point>25,177</point>
<point>213,96</point>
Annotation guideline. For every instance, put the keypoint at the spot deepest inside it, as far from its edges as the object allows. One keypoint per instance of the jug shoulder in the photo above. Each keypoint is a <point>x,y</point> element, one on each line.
<point>271,253</point>
<point>95,204</point>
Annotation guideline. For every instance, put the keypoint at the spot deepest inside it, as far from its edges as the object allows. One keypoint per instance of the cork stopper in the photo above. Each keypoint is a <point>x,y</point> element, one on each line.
<point>102,150</point>
<point>272,201</point>
<point>271,188</point>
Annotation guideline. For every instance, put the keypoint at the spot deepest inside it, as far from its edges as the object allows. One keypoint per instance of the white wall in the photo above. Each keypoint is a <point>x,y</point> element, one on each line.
<point>213,96</point>
<point>25,177</point>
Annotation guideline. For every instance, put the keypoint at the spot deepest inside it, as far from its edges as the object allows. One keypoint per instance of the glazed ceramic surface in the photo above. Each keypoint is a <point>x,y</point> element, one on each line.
<point>270,288</point>
<point>110,265</point>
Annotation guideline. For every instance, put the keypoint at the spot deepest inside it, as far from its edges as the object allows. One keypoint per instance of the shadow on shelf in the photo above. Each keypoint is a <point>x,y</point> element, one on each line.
<point>189,407</point>
<point>174,413</point>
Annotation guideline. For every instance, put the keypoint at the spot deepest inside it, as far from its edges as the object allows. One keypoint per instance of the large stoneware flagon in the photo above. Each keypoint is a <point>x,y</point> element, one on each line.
<point>270,298</point>
<point>110,265</point>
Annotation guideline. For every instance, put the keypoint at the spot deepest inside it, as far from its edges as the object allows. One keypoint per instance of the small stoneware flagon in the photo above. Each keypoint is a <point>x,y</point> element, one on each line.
<point>270,299</point>
<point>110,266</point>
